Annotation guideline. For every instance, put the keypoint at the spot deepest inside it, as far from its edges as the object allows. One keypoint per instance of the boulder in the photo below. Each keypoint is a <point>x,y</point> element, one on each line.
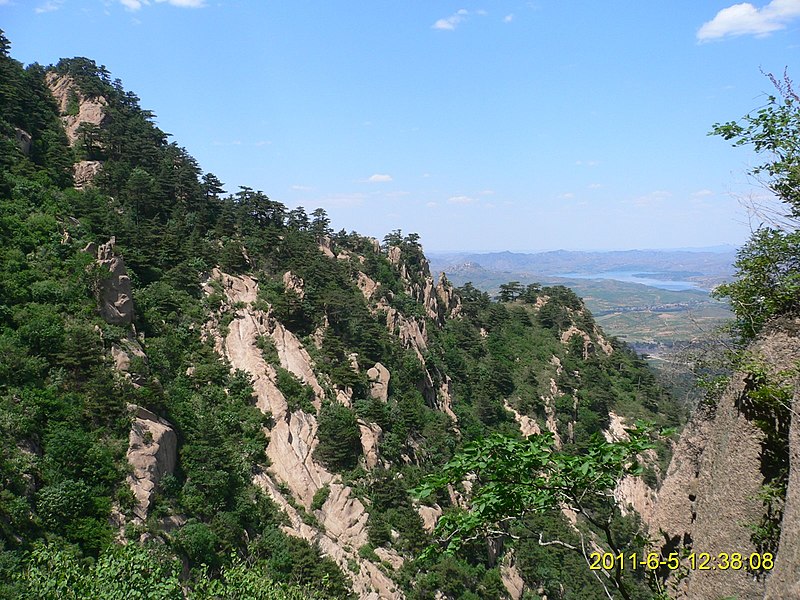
<point>379,382</point>
<point>114,293</point>
<point>152,446</point>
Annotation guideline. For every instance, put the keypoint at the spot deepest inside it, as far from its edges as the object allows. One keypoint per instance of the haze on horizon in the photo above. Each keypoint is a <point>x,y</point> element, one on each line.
<point>511,125</point>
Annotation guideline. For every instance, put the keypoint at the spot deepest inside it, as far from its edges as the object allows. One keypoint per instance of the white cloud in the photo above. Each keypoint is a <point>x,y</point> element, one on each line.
<point>746,19</point>
<point>587,163</point>
<point>594,186</point>
<point>702,193</point>
<point>137,4</point>
<point>431,205</point>
<point>302,188</point>
<point>508,18</point>
<point>379,178</point>
<point>50,6</point>
<point>185,3</point>
<point>652,199</point>
<point>567,196</point>
<point>451,22</point>
<point>486,193</point>
<point>461,200</point>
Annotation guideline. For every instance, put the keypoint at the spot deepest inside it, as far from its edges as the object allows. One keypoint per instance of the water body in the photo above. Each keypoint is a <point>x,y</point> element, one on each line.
<point>674,285</point>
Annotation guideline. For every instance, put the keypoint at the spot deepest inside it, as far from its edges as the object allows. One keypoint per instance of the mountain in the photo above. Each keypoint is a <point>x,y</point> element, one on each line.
<point>211,395</point>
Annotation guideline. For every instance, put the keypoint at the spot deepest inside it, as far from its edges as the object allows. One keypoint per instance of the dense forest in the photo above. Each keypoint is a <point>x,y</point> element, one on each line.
<point>430,370</point>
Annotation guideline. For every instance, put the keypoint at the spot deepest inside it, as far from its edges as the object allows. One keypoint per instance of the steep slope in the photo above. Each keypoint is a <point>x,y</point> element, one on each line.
<point>715,497</point>
<point>216,375</point>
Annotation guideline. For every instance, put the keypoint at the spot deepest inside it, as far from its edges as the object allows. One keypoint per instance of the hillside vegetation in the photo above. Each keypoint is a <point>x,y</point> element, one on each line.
<point>207,394</point>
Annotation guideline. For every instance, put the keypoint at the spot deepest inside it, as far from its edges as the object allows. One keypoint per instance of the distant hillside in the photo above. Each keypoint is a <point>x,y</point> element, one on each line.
<point>706,268</point>
<point>648,317</point>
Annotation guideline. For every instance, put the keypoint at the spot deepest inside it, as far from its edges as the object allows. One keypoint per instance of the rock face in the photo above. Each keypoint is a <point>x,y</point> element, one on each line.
<point>512,580</point>
<point>632,493</point>
<point>294,283</point>
<point>74,107</point>
<point>343,517</point>
<point>379,382</point>
<point>123,353</point>
<point>527,425</point>
<point>710,496</point>
<point>116,304</point>
<point>84,172</point>
<point>24,140</point>
<point>152,445</point>
<point>371,434</point>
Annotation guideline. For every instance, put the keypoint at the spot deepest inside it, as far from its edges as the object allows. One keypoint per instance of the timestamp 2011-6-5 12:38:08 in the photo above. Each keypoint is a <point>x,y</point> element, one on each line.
<point>699,561</point>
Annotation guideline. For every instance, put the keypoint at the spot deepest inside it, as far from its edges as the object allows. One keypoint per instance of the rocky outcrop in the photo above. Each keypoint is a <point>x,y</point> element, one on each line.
<point>632,493</point>
<point>710,500</point>
<point>371,435</point>
<point>527,425</point>
<point>367,285</point>
<point>438,300</point>
<point>295,284</point>
<point>152,446</point>
<point>294,357</point>
<point>84,172</point>
<point>114,292</point>
<point>429,515</point>
<point>293,438</point>
<point>379,382</point>
<point>75,108</point>
<point>512,580</point>
<point>449,301</point>
<point>126,354</point>
<point>24,140</point>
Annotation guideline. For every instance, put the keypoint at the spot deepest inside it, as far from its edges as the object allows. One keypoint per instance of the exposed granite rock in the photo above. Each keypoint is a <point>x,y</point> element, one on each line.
<point>152,446</point>
<point>632,493</point>
<point>325,247</point>
<point>449,301</point>
<point>295,358</point>
<point>371,435</point>
<point>711,493</point>
<point>367,285</point>
<point>527,425</point>
<point>24,140</point>
<point>292,282</point>
<point>512,580</point>
<point>293,439</point>
<point>123,352</point>
<point>114,294</point>
<point>379,382</point>
<point>84,172</point>
<point>444,397</point>
<point>90,110</point>
<point>429,515</point>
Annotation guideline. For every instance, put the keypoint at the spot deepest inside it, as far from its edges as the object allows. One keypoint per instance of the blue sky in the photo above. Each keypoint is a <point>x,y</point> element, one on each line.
<point>482,126</point>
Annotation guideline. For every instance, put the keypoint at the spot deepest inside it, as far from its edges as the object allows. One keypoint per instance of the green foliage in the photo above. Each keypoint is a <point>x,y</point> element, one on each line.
<point>514,476</point>
<point>339,437</point>
<point>299,396</point>
<point>767,279</point>
<point>320,496</point>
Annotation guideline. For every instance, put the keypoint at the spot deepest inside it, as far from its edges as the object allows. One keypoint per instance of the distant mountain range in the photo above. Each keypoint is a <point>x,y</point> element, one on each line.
<point>705,267</point>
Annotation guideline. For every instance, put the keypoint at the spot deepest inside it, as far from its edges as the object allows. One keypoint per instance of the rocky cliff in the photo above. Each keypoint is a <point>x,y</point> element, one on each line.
<point>712,499</point>
<point>78,110</point>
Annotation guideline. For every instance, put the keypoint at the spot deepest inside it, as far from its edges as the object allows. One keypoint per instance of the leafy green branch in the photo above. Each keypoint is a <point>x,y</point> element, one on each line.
<point>511,477</point>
